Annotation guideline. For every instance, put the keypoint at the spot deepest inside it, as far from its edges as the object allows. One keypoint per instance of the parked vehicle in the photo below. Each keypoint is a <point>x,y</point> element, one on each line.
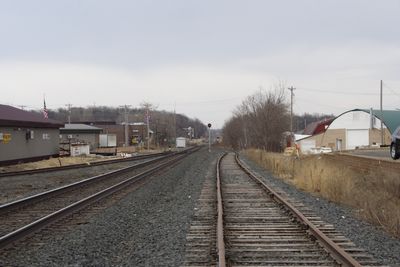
<point>321,150</point>
<point>395,144</point>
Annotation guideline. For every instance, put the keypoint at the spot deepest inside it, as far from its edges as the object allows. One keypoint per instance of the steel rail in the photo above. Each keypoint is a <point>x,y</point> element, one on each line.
<point>29,229</point>
<point>53,192</point>
<point>336,252</point>
<point>220,220</point>
<point>59,190</point>
<point>80,165</point>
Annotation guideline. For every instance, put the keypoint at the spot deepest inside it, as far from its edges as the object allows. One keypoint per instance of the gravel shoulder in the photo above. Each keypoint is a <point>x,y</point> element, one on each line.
<point>146,228</point>
<point>378,243</point>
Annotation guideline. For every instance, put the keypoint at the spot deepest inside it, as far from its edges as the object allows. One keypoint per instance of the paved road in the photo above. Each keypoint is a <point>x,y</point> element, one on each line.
<point>379,153</point>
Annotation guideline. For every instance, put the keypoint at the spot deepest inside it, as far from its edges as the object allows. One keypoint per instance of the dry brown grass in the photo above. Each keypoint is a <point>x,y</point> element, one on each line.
<point>63,161</point>
<point>52,162</point>
<point>375,196</point>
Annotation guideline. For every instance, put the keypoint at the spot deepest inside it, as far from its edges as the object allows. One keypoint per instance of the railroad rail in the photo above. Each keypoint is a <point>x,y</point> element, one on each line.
<point>82,165</point>
<point>24,217</point>
<point>256,226</point>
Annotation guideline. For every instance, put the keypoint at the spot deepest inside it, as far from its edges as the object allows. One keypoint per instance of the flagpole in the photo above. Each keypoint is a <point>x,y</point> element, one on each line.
<point>45,112</point>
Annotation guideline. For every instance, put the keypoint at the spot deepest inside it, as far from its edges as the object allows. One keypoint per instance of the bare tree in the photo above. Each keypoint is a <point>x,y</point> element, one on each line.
<point>259,121</point>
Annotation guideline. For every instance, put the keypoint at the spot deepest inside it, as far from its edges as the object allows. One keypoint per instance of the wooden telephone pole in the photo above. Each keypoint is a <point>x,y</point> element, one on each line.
<point>291,107</point>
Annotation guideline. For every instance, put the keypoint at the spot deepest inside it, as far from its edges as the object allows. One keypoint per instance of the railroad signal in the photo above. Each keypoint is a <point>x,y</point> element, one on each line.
<point>209,125</point>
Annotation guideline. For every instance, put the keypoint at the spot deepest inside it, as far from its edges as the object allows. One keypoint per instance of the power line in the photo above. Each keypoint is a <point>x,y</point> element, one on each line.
<point>319,104</point>
<point>339,92</point>
<point>392,90</point>
<point>182,103</point>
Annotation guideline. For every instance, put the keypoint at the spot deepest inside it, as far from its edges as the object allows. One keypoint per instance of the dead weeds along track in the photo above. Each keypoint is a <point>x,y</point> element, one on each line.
<point>257,228</point>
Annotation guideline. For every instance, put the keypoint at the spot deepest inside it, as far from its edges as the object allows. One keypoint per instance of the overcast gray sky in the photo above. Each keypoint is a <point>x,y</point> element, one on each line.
<point>203,57</point>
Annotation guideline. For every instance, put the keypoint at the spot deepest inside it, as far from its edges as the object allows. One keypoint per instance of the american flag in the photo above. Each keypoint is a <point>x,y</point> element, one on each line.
<point>45,113</point>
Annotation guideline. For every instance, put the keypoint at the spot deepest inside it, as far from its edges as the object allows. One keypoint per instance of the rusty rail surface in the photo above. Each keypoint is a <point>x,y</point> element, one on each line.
<point>239,223</point>
<point>220,220</point>
<point>341,256</point>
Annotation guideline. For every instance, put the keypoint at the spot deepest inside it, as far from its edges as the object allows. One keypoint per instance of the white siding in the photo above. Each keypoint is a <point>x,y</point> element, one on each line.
<point>108,140</point>
<point>357,138</point>
<point>355,120</point>
<point>307,145</point>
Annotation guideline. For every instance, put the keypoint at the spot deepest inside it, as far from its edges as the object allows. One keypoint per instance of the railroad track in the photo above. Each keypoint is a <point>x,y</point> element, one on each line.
<point>252,225</point>
<point>26,216</point>
<point>82,165</point>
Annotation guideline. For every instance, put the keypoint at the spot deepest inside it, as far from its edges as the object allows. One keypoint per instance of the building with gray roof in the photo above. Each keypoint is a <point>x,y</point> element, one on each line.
<point>81,133</point>
<point>26,136</point>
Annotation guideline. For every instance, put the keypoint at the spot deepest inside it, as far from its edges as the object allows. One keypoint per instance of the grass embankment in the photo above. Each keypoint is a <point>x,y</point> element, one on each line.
<point>375,195</point>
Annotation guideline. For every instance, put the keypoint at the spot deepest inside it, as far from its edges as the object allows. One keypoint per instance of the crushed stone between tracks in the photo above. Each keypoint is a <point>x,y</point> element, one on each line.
<point>146,228</point>
<point>384,248</point>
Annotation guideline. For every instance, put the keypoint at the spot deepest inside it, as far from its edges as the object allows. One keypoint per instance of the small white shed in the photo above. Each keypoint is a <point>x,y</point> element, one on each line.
<point>79,149</point>
<point>180,142</point>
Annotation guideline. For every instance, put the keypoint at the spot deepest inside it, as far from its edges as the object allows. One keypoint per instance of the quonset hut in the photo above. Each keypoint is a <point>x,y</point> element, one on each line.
<point>357,128</point>
<point>26,136</point>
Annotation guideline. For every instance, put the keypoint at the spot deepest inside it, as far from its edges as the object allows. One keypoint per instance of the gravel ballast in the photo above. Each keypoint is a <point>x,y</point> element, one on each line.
<point>146,228</point>
<point>20,186</point>
<point>149,225</point>
<point>376,242</point>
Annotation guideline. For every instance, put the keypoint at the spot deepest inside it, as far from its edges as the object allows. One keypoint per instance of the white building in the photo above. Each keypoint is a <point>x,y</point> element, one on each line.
<point>354,129</point>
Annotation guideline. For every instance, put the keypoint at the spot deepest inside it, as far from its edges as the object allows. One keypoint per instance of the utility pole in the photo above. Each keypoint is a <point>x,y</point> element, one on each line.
<point>382,137</point>
<point>209,137</point>
<point>126,113</point>
<point>291,107</point>
<point>157,141</point>
<point>148,128</point>
<point>189,132</point>
<point>126,126</point>
<point>175,123</point>
<point>245,135</point>
<point>69,112</point>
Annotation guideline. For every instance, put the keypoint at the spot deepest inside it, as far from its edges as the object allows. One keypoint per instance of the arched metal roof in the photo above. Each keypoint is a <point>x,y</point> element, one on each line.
<point>391,118</point>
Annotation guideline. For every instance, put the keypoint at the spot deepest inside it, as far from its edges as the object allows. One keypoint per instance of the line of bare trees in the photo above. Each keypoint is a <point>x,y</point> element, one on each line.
<point>259,121</point>
<point>166,124</point>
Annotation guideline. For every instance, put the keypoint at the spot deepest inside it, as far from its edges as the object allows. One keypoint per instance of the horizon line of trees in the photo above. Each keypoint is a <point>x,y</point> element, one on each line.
<point>167,123</point>
<point>261,120</point>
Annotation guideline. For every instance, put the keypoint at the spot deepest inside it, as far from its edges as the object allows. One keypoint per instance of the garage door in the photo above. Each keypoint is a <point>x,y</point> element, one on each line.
<point>357,138</point>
